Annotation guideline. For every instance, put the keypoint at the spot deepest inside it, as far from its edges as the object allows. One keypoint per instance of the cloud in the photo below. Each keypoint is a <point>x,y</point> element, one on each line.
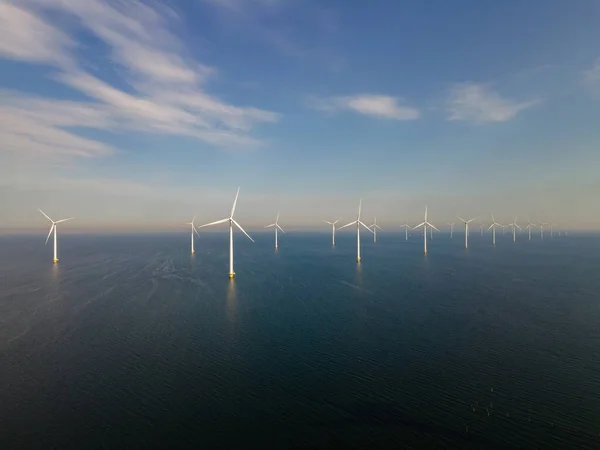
<point>381,106</point>
<point>592,79</point>
<point>477,103</point>
<point>165,89</point>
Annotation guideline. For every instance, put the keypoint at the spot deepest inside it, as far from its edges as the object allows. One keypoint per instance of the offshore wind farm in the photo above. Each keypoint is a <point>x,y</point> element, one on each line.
<point>298,224</point>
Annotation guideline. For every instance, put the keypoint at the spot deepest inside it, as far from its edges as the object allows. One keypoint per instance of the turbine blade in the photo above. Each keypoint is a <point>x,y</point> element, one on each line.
<point>45,215</point>
<point>269,226</point>
<point>359,207</point>
<point>460,218</point>
<point>277,218</point>
<point>234,202</point>
<point>213,223</point>
<point>280,228</point>
<point>347,225</point>
<point>242,230</point>
<point>337,221</point>
<point>491,226</point>
<point>330,223</point>
<point>195,231</point>
<point>378,227</point>
<point>432,227</point>
<point>419,226</point>
<point>49,233</point>
<point>472,220</point>
<point>64,220</point>
<point>365,226</point>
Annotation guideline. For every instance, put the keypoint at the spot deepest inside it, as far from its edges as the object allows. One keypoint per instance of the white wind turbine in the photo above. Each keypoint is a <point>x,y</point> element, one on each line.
<point>529,227</point>
<point>424,225</point>
<point>276,226</point>
<point>358,224</point>
<point>514,228</point>
<point>493,228</point>
<point>451,228</point>
<point>332,230</point>
<point>53,228</point>
<point>406,226</point>
<point>542,229</point>
<point>481,229</point>
<point>466,222</point>
<point>193,231</point>
<point>231,221</point>
<point>375,227</point>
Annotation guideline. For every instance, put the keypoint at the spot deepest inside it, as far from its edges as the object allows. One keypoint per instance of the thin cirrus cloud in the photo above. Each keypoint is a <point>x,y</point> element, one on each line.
<point>380,106</point>
<point>478,103</point>
<point>592,79</point>
<point>167,92</point>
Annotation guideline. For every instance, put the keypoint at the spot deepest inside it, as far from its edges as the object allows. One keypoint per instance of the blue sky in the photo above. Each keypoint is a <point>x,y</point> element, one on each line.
<point>128,114</point>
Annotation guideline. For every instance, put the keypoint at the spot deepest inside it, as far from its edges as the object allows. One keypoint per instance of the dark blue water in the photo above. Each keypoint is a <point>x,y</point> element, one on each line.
<point>130,342</point>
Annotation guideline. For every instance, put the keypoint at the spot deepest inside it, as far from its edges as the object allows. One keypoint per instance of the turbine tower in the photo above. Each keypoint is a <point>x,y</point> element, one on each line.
<point>193,231</point>
<point>375,227</point>
<point>406,226</point>
<point>529,227</point>
<point>466,222</point>
<point>333,230</point>
<point>451,228</point>
<point>542,229</point>
<point>53,228</point>
<point>481,229</point>
<point>276,226</point>
<point>493,228</point>
<point>231,222</point>
<point>358,224</point>
<point>514,228</point>
<point>424,225</point>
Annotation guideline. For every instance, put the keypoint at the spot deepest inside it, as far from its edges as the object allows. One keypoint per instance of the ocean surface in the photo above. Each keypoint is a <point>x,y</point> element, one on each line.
<point>131,342</point>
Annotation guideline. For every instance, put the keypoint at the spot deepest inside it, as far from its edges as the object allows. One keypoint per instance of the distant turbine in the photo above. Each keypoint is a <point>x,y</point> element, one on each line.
<point>566,230</point>
<point>193,231</point>
<point>481,229</point>
<point>276,226</point>
<point>358,224</point>
<point>375,227</point>
<point>529,227</point>
<point>424,225</point>
<point>231,221</point>
<point>551,230</point>
<point>406,226</point>
<point>466,222</point>
<point>493,228</point>
<point>333,230</point>
<point>451,228</point>
<point>514,228</point>
<point>53,228</point>
<point>542,229</point>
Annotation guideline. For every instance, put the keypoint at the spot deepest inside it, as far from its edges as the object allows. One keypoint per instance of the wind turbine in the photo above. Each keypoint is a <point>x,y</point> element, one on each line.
<point>276,226</point>
<point>406,226</point>
<point>231,221</point>
<point>193,231</point>
<point>424,225</point>
<point>375,226</point>
<point>451,228</point>
<point>333,230</point>
<point>529,227</point>
<point>466,222</point>
<point>514,228</point>
<point>53,228</point>
<point>493,228</point>
<point>358,224</point>
<point>542,229</point>
<point>481,229</point>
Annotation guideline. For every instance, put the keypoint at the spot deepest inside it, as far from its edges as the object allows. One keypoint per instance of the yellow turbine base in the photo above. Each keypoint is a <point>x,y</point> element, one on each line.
<point>55,260</point>
<point>193,251</point>
<point>231,275</point>
<point>357,259</point>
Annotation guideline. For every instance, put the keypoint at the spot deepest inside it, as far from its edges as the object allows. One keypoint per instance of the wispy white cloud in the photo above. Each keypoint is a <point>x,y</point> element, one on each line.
<point>167,92</point>
<point>478,103</point>
<point>592,78</point>
<point>381,106</point>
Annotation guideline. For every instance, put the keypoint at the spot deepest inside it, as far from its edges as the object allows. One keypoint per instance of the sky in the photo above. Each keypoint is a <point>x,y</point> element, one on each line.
<point>139,115</point>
